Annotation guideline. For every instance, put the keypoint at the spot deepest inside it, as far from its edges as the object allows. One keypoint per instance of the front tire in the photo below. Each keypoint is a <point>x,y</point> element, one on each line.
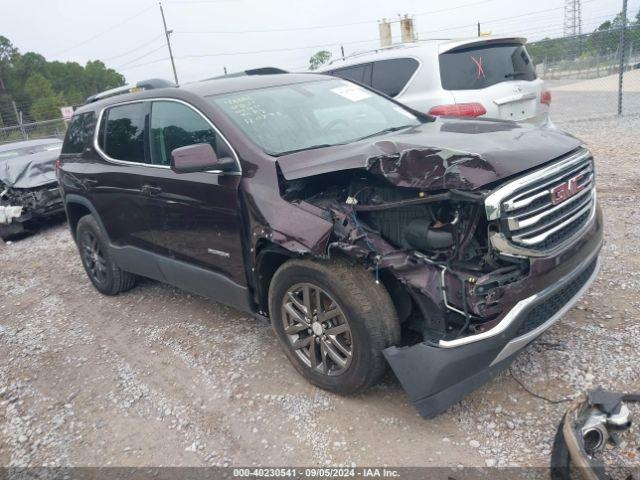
<point>333,322</point>
<point>105,275</point>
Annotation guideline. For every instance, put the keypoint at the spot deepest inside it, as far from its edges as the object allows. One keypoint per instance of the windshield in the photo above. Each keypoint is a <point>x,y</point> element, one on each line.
<point>480,67</point>
<point>317,114</point>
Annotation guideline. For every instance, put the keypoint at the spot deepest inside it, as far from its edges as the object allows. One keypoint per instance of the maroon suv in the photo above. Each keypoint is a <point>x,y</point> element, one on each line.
<point>366,232</point>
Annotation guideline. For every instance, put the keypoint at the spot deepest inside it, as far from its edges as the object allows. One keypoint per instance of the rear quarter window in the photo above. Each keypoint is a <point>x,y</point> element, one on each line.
<point>124,132</point>
<point>480,67</point>
<point>358,73</point>
<point>78,133</point>
<point>391,76</point>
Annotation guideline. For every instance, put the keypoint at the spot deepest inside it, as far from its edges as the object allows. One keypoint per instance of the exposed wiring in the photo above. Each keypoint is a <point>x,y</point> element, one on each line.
<point>364,232</point>
<point>537,395</point>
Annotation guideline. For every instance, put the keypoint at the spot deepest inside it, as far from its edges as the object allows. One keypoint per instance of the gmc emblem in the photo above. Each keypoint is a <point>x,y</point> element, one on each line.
<point>566,190</point>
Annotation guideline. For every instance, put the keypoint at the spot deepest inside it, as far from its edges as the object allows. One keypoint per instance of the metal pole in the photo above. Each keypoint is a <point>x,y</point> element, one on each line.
<point>479,34</point>
<point>342,51</point>
<point>621,49</point>
<point>225,70</point>
<point>19,120</point>
<point>167,33</point>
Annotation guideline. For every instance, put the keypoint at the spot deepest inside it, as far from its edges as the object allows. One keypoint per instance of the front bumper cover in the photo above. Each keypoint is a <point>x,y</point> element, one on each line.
<point>435,377</point>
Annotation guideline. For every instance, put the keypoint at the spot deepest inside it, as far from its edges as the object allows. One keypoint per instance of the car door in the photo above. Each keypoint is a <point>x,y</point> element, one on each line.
<point>112,177</point>
<point>194,217</point>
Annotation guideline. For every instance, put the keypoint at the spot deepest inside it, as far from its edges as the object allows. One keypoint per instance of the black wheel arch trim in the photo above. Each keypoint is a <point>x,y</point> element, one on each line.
<point>85,202</point>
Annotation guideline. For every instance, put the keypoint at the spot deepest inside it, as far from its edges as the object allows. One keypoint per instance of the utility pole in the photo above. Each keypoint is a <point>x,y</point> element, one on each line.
<point>621,49</point>
<point>167,33</point>
<point>342,51</point>
<point>479,34</point>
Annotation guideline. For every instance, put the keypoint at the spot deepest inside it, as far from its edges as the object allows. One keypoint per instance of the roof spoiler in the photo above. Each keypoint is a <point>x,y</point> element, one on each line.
<point>456,45</point>
<point>252,71</point>
<point>142,85</point>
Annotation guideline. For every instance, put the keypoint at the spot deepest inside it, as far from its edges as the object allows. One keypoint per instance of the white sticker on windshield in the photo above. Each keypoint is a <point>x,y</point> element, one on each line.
<point>351,92</point>
<point>404,112</point>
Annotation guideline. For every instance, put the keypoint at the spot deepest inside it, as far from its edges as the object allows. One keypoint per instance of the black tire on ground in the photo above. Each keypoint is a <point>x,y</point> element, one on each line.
<point>110,279</point>
<point>367,308</point>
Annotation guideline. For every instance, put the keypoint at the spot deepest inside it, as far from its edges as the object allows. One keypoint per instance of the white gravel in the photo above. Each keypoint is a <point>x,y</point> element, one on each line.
<point>159,377</point>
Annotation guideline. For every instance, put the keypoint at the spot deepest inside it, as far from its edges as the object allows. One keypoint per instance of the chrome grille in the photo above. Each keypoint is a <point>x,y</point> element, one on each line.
<point>528,216</point>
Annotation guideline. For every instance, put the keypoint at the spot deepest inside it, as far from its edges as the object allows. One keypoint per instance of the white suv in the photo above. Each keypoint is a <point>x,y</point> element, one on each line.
<point>486,76</point>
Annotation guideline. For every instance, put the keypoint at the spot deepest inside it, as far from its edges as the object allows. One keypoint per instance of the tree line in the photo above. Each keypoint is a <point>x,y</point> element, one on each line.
<point>40,87</point>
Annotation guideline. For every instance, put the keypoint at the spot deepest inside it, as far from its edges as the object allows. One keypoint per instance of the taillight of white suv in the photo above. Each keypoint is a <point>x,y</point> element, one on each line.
<point>459,110</point>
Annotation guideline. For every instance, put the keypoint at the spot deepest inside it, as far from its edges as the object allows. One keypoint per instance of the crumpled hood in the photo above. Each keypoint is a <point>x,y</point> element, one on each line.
<point>447,153</point>
<point>29,171</point>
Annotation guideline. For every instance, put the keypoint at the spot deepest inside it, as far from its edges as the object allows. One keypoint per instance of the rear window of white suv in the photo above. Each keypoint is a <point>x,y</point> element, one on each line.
<point>480,67</point>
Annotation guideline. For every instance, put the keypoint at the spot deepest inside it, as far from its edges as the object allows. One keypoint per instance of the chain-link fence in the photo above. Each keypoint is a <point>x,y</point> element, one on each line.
<point>16,123</point>
<point>591,75</point>
<point>29,131</point>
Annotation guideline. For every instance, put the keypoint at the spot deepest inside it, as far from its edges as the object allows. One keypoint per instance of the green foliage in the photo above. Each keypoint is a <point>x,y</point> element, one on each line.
<point>603,42</point>
<point>43,86</point>
<point>319,59</point>
<point>46,108</point>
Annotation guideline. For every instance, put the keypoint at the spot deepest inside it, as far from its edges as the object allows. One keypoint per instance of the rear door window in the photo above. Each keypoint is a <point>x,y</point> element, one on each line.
<point>480,67</point>
<point>78,133</point>
<point>391,76</point>
<point>174,125</point>
<point>357,73</point>
<point>125,132</point>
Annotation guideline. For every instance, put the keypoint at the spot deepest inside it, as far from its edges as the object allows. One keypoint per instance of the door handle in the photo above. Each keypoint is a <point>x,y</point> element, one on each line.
<point>151,190</point>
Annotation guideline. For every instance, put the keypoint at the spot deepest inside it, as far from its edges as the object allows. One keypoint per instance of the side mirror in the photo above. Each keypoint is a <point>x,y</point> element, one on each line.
<point>194,158</point>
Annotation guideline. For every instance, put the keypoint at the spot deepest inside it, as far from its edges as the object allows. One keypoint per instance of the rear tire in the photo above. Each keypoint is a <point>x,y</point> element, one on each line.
<point>333,322</point>
<point>105,275</point>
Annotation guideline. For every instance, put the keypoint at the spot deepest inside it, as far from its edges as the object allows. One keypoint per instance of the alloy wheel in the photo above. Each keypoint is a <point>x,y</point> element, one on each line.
<point>93,257</point>
<point>317,329</point>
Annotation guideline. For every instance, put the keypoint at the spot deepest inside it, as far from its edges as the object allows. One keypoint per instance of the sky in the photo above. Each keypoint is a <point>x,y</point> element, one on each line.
<point>209,35</point>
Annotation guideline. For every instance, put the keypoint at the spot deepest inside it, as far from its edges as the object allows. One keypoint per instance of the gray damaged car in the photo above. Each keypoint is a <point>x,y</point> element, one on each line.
<point>28,185</point>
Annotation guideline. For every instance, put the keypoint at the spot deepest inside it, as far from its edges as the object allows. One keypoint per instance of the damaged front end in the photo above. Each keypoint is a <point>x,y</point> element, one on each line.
<point>28,189</point>
<point>422,221</point>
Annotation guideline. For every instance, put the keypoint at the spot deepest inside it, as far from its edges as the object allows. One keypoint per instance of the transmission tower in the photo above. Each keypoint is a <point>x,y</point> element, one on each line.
<point>572,18</point>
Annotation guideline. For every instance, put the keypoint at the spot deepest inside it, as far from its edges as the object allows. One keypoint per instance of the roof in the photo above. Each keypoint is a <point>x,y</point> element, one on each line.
<point>223,85</point>
<point>416,49</point>
<point>207,88</point>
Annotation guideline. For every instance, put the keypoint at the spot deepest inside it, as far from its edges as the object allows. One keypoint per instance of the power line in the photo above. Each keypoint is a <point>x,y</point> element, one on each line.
<point>113,27</point>
<point>317,27</point>
<point>146,63</point>
<point>544,28</point>
<point>128,52</point>
<point>306,47</point>
<point>325,45</point>
<point>141,56</point>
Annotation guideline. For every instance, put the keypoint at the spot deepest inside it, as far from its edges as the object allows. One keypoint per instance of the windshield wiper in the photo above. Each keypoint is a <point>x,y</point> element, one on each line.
<point>386,130</point>
<point>312,147</point>
<point>514,74</point>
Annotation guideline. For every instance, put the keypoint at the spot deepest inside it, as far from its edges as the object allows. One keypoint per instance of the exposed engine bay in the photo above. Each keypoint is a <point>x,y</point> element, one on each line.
<point>28,185</point>
<point>397,231</point>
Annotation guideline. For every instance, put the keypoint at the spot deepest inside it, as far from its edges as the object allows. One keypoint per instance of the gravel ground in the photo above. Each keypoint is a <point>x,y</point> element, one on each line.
<point>578,100</point>
<point>159,377</point>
